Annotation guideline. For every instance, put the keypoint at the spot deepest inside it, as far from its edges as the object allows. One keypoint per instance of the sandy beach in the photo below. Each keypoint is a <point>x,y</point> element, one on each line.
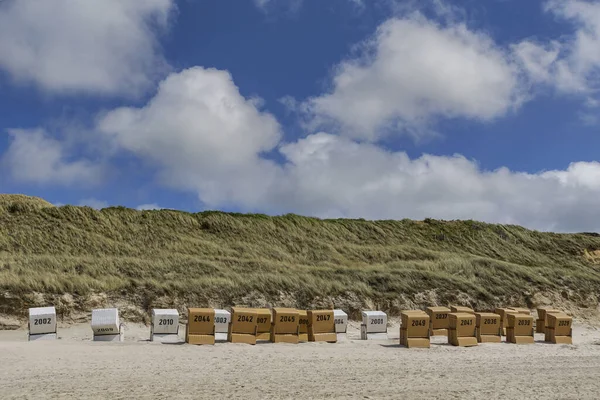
<point>75,367</point>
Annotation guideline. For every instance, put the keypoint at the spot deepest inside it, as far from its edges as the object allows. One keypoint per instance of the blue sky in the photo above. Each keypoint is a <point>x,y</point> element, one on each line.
<point>340,108</point>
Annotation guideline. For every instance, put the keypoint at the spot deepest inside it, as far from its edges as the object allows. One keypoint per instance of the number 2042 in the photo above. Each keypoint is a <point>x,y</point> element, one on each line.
<point>245,318</point>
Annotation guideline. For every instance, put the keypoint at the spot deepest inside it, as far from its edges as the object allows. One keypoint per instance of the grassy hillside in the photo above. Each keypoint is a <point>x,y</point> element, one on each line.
<point>78,258</point>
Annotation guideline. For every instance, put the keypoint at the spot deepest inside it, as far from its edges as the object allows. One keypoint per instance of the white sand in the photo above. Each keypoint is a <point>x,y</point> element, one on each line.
<point>74,367</point>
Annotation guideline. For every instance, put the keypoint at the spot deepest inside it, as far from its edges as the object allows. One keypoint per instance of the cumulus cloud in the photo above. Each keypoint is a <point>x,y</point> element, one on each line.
<point>537,59</point>
<point>203,134</point>
<point>332,176</point>
<point>206,138</point>
<point>93,203</point>
<point>580,68</point>
<point>100,47</point>
<point>571,63</point>
<point>413,71</point>
<point>144,207</point>
<point>35,157</point>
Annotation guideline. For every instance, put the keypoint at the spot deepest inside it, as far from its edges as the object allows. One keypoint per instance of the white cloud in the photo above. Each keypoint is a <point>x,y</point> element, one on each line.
<point>413,71</point>
<point>571,64</point>
<point>537,59</point>
<point>331,176</point>
<point>93,203</point>
<point>206,138</point>
<point>74,46</point>
<point>580,68</point>
<point>202,133</point>
<point>153,206</point>
<point>34,157</point>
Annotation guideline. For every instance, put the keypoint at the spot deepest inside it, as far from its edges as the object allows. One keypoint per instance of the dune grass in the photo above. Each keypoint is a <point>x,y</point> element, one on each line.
<point>173,258</point>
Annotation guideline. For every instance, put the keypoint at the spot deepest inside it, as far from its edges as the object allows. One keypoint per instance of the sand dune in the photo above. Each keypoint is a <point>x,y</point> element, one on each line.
<point>74,367</point>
